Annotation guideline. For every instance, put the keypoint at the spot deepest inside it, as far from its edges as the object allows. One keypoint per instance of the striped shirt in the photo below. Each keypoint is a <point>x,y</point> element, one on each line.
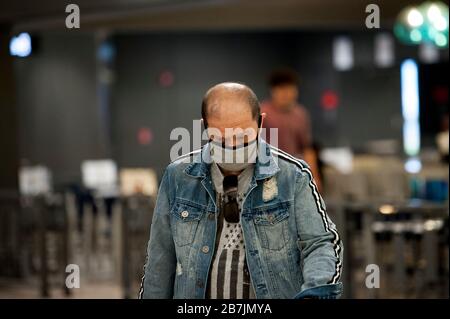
<point>229,277</point>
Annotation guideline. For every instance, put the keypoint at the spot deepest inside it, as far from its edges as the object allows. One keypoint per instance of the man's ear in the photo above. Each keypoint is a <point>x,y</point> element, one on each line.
<point>261,119</point>
<point>204,123</point>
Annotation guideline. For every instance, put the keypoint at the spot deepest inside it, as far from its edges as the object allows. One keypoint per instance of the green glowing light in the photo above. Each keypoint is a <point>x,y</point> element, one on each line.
<point>441,40</point>
<point>415,35</point>
<point>426,23</point>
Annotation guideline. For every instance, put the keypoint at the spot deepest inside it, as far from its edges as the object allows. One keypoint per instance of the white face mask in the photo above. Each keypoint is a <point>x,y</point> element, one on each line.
<point>234,158</point>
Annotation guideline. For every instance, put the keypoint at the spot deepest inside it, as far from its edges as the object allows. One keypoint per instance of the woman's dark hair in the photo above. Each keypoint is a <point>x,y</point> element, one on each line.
<point>283,76</point>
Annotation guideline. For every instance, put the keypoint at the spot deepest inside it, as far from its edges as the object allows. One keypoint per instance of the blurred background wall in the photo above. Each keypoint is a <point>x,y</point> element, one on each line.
<point>68,103</point>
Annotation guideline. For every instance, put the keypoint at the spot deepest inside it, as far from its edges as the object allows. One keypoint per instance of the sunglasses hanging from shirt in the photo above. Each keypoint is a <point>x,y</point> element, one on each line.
<point>230,206</point>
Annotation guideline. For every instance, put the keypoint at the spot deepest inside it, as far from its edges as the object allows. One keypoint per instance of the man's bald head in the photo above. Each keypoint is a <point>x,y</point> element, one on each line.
<point>221,98</point>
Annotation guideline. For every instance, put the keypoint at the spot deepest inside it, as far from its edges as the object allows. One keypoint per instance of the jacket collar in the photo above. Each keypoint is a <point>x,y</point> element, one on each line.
<point>266,165</point>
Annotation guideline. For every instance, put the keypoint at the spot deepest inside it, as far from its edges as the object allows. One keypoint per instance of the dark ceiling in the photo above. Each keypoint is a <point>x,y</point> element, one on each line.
<point>197,14</point>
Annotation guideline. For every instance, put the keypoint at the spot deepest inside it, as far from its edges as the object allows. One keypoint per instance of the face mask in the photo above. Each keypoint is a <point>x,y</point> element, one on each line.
<point>234,158</point>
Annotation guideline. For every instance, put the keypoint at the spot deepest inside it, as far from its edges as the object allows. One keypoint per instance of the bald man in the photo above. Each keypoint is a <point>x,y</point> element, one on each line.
<point>239,218</point>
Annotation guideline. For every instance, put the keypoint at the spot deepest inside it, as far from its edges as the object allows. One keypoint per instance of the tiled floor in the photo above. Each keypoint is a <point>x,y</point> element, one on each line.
<point>26,290</point>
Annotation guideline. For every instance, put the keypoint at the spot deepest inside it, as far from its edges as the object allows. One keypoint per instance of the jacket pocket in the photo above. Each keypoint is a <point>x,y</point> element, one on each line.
<point>185,217</point>
<point>271,225</point>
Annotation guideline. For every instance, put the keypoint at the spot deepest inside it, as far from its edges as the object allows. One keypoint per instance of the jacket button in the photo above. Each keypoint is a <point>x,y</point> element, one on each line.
<point>200,283</point>
<point>211,216</point>
<point>205,249</point>
<point>184,213</point>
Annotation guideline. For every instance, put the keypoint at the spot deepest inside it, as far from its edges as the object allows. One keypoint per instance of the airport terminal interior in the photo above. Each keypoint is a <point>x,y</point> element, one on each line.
<point>91,93</point>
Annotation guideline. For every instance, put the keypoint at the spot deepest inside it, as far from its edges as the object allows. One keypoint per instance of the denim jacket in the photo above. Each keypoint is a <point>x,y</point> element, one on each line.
<point>292,247</point>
